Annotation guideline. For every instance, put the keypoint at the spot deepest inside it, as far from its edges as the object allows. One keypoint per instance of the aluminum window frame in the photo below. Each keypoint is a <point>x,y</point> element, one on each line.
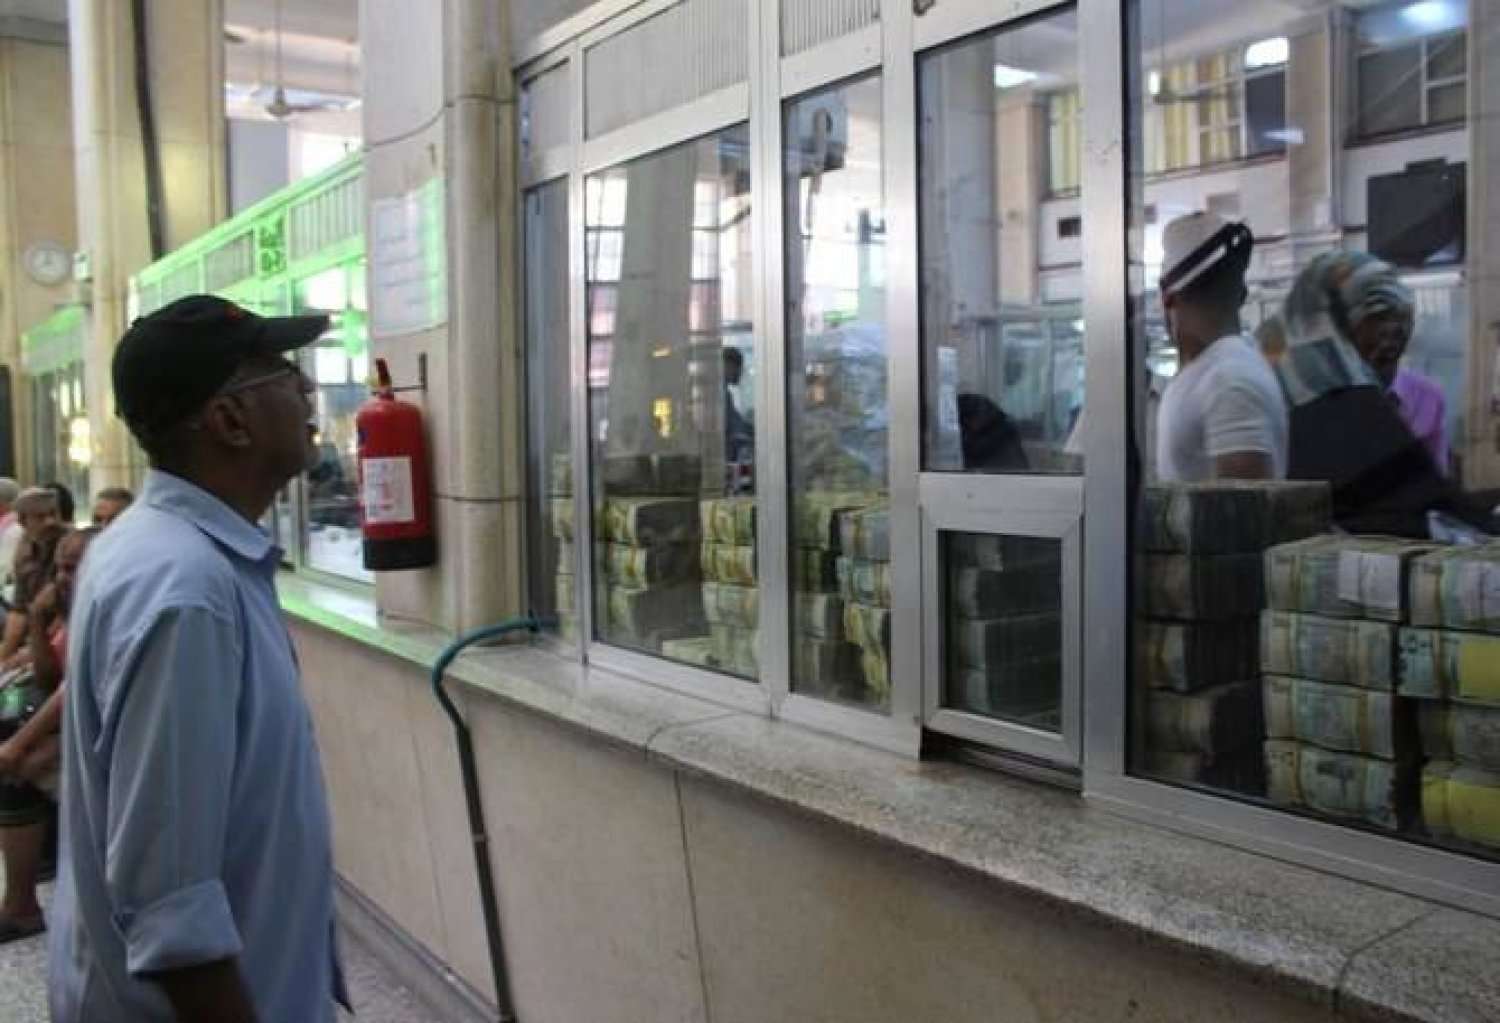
<point>1425,85</point>
<point>1111,55</point>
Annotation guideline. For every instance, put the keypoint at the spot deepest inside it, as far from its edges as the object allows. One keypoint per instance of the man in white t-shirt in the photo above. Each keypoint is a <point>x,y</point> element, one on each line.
<point>1223,415</point>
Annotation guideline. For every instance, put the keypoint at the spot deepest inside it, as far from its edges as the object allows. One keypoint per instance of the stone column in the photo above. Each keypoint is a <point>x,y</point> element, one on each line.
<point>185,51</point>
<point>1314,146</point>
<point>1479,442</point>
<point>36,205</point>
<point>442,107</point>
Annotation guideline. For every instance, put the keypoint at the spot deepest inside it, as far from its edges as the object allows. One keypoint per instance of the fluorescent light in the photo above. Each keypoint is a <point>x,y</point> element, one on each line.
<point>1432,15</point>
<point>1268,53</point>
<point>1010,77</point>
<point>1291,136</point>
<point>1153,83</point>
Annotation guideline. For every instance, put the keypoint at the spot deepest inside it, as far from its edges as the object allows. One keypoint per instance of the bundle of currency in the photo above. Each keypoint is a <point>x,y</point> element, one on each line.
<point>868,626</point>
<point>567,627</point>
<point>567,590</point>
<point>876,669</point>
<point>1020,688</point>
<point>1214,720</point>
<point>1436,665</point>
<point>1187,656</point>
<point>728,520</point>
<point>999,553</point>
<point>1232,517</point>
<point>1338,717</point>
<point>1349,650</point>
<point>730,604</point>
<point>1211,588</point>
<point>735,649</point>
<point>816,516</point>
<point>648,566</point>
<point>828,665</point>
<point>640,617</point>
<point>1461,802</point>
<point>643,521</point>
<point>866,534</point>
<point>815,571</point>
<point>866,582</point>
<point>1457,588</point>
<point>728,563</point>
<point>818,615</point>
<point>1241,771</point>
<point>624,475</point>
<point>562,518</point>
<point>560,477</point>
<point>986,593</point>
<point>992,642</point>
<point>676,474</point>
<point>1342,576</point>
<point>698,650</point>
<point>1345,785</point>
<point>1461,732</point>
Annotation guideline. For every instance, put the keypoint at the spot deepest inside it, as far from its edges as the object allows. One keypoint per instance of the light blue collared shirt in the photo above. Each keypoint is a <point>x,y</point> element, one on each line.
<point>195,825</point>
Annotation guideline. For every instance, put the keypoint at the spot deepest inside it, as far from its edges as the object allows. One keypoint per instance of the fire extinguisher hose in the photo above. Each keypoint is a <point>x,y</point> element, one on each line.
<point>477,832</point>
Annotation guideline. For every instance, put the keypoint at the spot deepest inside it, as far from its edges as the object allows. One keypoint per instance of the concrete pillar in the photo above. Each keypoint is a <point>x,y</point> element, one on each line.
<point>1020,145</point>
<point>36,206</point>
<point>1312,158</point>
<point>440,105</point>
<point>1479,442</point>
<point>186,60</point>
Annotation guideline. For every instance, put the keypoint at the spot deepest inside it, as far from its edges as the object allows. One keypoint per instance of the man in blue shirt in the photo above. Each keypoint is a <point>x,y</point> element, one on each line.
<point>195,880</point>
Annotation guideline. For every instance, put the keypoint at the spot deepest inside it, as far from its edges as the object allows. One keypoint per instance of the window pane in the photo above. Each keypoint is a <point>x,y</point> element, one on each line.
<point>1002,605</point>
<point>671,405</point>
<point>330,529</point>
<point>1390,90</point>
<point>1265,113</point>
<point>1002,330</point>
<point>1312,441</point>
<point>549,456</point>
<point>836,394</point>
<point>1446,103</point>
<point>1447,56</point>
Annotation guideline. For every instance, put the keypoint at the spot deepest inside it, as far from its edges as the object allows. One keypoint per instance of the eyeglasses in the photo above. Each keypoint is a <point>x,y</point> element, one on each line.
<point>304,384</point>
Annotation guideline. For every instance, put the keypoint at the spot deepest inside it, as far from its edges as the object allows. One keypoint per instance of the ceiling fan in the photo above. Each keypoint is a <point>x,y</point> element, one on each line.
<point>278,106</point>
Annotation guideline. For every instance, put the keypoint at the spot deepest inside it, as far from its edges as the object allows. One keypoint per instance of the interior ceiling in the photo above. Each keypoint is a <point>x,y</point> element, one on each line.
<point>328,19</point>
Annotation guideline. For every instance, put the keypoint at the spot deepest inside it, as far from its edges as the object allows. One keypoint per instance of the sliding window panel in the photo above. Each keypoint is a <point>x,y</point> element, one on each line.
<point>672,395</point>
<point>1002,360</point>
<point>837,396</point>
<point>551,555</point>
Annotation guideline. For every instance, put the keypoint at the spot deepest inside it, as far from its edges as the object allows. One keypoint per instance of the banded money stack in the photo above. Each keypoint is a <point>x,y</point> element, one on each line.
<point>1203,580</point>
<point>647,568</point>
<point>1450,665</point>
<point>831,526</point>
<point>731,594</point>
<point>560,513</point>
<point>1340,739</point>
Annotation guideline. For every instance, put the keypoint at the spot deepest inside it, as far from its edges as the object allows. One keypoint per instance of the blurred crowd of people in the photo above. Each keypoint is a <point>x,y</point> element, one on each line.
<point>41,549</point>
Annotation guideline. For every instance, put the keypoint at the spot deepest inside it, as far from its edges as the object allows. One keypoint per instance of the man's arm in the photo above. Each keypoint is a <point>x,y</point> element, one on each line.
<point>171,773</point>
<point>1239,432</point>
<point>44,722</point>
<point>211,993</point>
<point>45,667</point>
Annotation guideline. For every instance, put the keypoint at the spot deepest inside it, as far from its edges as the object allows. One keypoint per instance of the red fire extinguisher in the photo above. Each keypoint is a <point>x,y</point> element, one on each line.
<point>395,495</point>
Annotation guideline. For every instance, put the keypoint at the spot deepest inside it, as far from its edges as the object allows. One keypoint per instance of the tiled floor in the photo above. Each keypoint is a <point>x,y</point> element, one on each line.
<point>377,998</point>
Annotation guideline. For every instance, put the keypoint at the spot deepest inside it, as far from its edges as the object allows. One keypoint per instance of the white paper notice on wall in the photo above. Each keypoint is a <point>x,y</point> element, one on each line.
<point>408,262</point>
<point>386,491</point>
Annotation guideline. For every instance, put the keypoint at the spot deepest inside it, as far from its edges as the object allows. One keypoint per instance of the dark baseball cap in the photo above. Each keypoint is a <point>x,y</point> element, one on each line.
<point>171,362</point>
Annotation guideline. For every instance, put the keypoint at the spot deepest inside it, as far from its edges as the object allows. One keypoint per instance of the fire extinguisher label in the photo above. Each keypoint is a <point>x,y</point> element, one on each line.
<point>387,491</point>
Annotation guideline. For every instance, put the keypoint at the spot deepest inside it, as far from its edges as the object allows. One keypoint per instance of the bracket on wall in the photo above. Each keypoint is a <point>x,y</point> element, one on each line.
<point>421,384</point>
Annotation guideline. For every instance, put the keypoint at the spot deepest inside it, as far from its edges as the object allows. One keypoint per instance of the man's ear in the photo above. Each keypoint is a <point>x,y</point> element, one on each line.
<point>225,421</point>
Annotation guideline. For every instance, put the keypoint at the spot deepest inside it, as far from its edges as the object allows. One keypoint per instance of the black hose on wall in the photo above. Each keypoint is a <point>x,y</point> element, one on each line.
<point>155,212</point>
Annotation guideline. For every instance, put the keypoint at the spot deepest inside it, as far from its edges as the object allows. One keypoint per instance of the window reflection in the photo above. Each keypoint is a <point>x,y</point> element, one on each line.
<point>671,401</point>
<point>1313,539</point>
<point>837,394</point>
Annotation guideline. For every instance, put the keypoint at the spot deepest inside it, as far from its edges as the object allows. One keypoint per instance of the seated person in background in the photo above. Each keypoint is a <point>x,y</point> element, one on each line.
<point>1222,416</point>
<point>110,503</point>
<point>1346,429</point>
<point>36,510</point>
<point>990,441</point>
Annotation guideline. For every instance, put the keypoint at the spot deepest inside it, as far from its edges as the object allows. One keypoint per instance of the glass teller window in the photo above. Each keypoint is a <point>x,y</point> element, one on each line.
<point>671,403</point>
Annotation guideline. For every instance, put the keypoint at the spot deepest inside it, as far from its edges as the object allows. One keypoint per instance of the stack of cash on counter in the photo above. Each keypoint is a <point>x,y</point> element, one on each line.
<point>560,515</point>
<point>731,593</point>
<point>1203,591</point>
<point>1450,665</point>
<point>841,595</point>
<point>1003,618</point>
<point>647,557</point>
<point>1340,740</point>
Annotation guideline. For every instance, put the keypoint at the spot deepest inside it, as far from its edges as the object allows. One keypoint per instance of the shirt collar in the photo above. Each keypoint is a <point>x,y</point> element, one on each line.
<point>217,521</point>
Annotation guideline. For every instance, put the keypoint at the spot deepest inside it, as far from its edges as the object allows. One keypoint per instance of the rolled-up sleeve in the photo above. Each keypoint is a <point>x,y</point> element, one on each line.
<point>171,769</point>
